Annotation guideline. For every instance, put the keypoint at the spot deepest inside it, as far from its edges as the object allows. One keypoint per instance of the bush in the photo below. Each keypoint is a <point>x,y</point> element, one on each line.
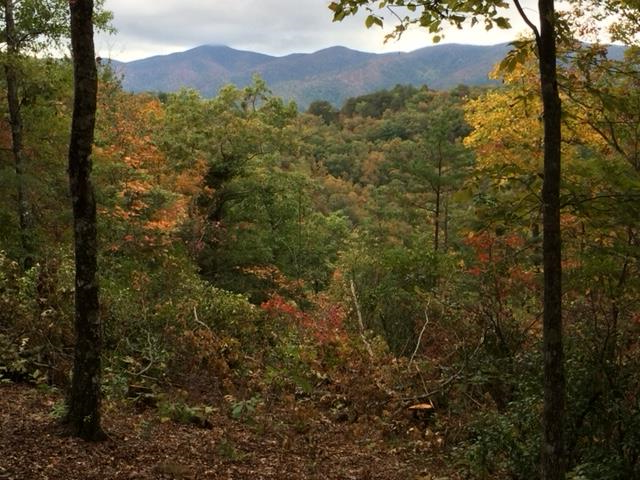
<point>163,322</point>
<point>602,424</point>
<point>389,282</point>
<point>36,319</point>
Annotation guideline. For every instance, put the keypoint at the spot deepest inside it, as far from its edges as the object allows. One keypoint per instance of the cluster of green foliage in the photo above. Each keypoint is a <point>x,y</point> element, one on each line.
<point>254,250</point>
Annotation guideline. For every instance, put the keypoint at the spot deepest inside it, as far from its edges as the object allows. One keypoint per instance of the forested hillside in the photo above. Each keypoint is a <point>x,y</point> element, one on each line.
<point>348,292</point>
<point>332,74</point>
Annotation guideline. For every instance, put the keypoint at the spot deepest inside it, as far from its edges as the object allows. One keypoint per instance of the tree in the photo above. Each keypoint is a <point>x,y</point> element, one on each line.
<point>255,208</point>
<point>324,110</point>
<point>433,15</point>
<point>29,27</point>
<point>440,127</point>
<point>599,223</point>
<point>84,401</point>
<point>15,120</point>
<point>16,40</point>
<point>141,196</point>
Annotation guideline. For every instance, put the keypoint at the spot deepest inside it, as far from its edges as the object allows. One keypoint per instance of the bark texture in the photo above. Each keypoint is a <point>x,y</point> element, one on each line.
<point>84,400</point>
<point>553,452</point>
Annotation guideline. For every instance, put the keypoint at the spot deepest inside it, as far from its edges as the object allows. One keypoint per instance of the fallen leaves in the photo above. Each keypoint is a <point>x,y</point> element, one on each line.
<point>141,447</point>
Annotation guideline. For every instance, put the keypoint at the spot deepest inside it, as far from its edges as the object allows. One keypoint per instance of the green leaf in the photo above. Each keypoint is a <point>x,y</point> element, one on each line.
<point>373,20</point>
<point>369,21</point>
<point>338,11</point>
<point>503,22</point>
<point>237,410</point>
<point>517,56</point>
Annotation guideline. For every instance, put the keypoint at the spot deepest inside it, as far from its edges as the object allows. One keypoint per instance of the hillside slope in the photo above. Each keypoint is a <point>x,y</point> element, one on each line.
<point>333,74</point>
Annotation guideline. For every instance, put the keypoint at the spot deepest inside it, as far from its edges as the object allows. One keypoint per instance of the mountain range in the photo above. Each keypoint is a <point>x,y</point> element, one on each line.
<point>333,74</point>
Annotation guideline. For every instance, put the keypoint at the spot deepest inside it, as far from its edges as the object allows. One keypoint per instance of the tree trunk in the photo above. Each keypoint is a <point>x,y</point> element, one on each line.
<point>15,120</point>
<point>446,224</point>
<point>84,400</point>
<point>436,232</point>
<point>553,461</point>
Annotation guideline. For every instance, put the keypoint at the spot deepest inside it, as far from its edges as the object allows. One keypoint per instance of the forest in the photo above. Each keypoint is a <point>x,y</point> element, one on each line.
<point>352,291</point>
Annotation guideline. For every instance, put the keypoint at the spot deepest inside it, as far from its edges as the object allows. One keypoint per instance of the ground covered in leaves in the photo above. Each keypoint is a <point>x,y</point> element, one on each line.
<point>307,439</point>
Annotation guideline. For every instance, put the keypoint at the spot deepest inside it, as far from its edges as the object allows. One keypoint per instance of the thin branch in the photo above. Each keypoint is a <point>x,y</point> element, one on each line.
<point>529,23</point>
<point>200,322</point>
<point>442,385</point>
<point>389,7</point>
<point>622,197</point>
<point>424,327</point>
<point>360,321</point>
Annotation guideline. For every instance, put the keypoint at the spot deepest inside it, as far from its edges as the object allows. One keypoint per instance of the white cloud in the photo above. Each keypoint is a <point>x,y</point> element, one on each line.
<point>277,27</point>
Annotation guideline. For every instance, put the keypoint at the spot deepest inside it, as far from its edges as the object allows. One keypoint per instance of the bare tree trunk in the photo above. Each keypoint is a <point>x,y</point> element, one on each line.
<point>553,452</point>
<point>360,320</point>
<point>436,233</point>
<point>446,224</point>
<point>84,400</point>
<point>15,119</point>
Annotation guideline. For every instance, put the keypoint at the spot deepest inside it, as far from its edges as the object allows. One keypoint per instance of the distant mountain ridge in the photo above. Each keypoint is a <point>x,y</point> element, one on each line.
<point>332,74</point>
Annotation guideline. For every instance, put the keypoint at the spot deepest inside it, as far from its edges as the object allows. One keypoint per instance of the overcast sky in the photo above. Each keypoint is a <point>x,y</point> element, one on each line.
<point>276,27</point>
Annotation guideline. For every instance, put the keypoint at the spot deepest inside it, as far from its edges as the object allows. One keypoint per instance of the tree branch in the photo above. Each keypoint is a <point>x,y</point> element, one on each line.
<point>529,23</point>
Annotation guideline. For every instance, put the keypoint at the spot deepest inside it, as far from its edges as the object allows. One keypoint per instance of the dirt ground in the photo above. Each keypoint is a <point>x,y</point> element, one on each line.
<point>303,442</point>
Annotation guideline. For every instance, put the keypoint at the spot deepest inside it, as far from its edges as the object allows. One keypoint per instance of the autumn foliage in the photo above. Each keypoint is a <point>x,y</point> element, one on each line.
<point>341,265</point>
